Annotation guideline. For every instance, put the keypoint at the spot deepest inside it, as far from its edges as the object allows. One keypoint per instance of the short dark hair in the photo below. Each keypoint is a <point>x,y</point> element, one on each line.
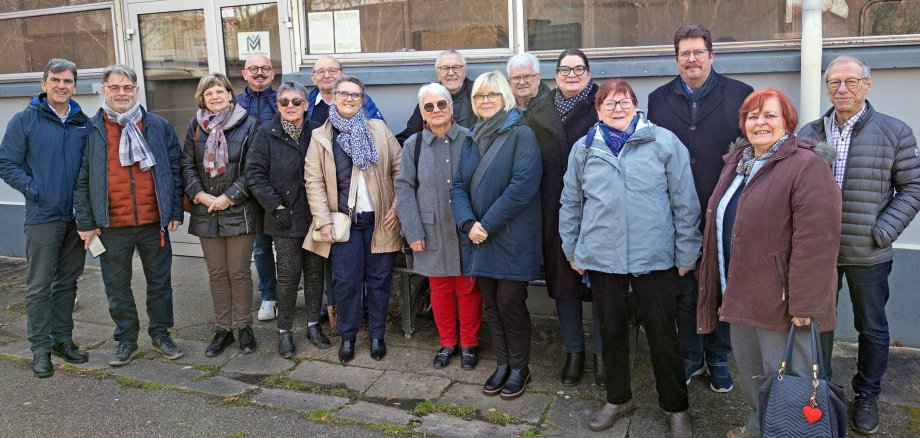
<point>614,86</point>
<point>573,52</point>
<point>57,65</point>
<point>692,31</point>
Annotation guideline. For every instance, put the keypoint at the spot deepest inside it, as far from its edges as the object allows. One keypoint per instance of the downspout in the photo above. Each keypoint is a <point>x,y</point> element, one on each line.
<point>811,83</point>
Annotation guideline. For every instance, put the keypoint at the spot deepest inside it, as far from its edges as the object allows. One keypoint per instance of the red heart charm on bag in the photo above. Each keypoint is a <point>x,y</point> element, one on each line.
<point>811,414</point>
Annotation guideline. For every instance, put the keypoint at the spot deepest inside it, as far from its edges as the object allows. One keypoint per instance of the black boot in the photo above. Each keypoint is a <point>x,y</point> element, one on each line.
<point>286,344</point>
<point>516,383</point>
<point>42,366</point>
<point>69,351</point>
<point>247,340</point>
<point>496,381</point>
<point>222,338</point>
<point>574,365</point>
<point>346,350</point>
<point>378,349</point>
<point>600,372</point>
<point>317,337</point>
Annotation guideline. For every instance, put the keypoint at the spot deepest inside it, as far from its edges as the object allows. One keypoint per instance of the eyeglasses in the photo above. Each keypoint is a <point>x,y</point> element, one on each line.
<point>698,53</point>
<point>331,71</point>
<point>522,79</point>
<point>429,107</point>
<point>257,68</point>
<point>578,70</point>
<point>115,88</point>
<point>612,104</point>
<point>285,101</point>
<point>344,95</point>
<point>445,69</point>
<point>487,97</point>
<point>851,84</point>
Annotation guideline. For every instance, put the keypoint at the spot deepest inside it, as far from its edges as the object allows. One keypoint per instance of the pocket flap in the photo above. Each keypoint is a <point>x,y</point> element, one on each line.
<point>427,217</point>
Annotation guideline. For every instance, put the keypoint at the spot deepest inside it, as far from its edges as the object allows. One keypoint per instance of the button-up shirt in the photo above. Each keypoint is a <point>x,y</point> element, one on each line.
<point>840,140</point>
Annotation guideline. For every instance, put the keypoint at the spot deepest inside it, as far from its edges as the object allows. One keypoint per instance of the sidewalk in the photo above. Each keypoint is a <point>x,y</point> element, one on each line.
<point>401,395</point>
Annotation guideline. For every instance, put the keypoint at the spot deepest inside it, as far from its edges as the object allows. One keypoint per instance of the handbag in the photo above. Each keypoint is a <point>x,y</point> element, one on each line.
<point>802,406</point>
<point>341,222</point>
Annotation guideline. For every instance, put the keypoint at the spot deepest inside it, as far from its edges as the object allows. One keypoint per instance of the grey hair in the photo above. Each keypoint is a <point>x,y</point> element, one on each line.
<point>497,82</point>
<point>865,67</point>
<point>523,59</point>
<point>119,69</point>
<point>434,89</point>
<point>348,78</point>
<point>437,62</point>
<point>58,65</point>
<point>294,86</point>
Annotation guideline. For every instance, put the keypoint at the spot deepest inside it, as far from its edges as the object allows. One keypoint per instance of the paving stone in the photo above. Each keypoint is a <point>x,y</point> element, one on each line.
<point>89,334</point>
<point>374,413</point>
<point>527,408</point>
<point>220,385</point>
<point>194,354</point>
<point>257,364</point>
<point>648,423</point>
<point>98,360</point>
<point>407,386</point>
<point>322,373</point>
<point>450,426</point>
<point>570,417</point>
<point>20,349</point>
<point>298,401</point>
<point>182,377</point>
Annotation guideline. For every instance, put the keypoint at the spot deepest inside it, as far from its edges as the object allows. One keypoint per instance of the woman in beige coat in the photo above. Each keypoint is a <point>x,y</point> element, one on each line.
<point>352,149</point>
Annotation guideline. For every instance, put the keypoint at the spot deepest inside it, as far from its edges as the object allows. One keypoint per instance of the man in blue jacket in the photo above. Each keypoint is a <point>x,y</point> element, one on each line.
<point>40,156</point>
<point>130,187</point>
<point>700,106</point>
<point>326,71</point>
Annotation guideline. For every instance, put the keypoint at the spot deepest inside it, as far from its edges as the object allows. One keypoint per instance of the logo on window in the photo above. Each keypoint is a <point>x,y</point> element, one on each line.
<point>253,43</point>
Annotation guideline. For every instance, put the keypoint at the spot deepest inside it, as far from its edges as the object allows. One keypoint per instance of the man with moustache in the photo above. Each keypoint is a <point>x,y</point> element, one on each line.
<point>129,195</point>
<point>326,71</point>
<point>450,68</point>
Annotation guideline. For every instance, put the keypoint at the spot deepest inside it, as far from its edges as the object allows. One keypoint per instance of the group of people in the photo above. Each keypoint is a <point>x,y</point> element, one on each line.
<point>706,218</point>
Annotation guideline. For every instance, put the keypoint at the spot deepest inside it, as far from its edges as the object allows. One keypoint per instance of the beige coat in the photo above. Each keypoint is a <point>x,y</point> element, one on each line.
<point>322,189</point>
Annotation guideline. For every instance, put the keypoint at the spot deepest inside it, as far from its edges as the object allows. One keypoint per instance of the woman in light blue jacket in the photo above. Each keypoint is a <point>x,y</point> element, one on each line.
<point>630,217</point>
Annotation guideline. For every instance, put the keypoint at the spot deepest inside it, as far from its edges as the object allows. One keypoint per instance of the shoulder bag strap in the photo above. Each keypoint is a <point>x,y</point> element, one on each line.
<point>353,190</point>
<point>487,161</point>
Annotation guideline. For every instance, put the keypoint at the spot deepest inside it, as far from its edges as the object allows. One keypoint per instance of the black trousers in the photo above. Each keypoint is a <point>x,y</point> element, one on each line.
<point>294,261</point>
<point>505,311</point>
<point>656,299</point>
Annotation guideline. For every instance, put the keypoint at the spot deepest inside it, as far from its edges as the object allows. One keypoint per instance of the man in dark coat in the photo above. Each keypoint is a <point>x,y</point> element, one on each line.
<point>701,107</point>
<point>450,67</point>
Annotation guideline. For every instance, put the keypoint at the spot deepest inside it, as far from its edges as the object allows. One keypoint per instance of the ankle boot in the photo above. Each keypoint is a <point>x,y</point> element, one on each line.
<point>681,426</point>
<point>600,372</point>
<point>607,415</point>
<point>286,344</point>
<point>247,340</point>
<point>571,371</point>
<point>496,381</point>
<point>516,383</point>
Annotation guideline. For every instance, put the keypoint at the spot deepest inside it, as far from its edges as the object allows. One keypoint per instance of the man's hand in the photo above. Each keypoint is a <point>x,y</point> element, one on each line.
<point>221,202</point>
<point>418,245</point>
<point>576,269</point>
<point>328,233</point>
<point>478,234</point>
<point>173,226</point>
<point>391,220</point>
<point>87,237</point>
<point>682,271</point>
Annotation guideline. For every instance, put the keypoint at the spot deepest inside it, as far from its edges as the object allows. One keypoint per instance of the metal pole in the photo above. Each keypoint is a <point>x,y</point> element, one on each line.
<point>811,82</point>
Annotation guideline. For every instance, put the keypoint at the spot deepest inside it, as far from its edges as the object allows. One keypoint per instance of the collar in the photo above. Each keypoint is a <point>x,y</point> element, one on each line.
<point>319,98</point>
<point>850,122</point>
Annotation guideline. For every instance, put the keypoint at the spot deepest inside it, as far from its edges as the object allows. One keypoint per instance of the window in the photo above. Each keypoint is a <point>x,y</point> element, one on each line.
<point>255,25</point>
<point>28,41</point>
<point>375,26</point>
<point>28,5</point>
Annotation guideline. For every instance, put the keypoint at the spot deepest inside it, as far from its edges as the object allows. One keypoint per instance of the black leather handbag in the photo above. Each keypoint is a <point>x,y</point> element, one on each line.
<point>802,406</point>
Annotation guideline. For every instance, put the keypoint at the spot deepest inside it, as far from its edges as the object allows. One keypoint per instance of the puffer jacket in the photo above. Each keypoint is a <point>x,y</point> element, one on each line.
<point>274,172</point>
<point>632,214</point>
<point>881,185</point>
<point>245,215</point>
<point>91,196</point>
<point>263,105</point>
<point>784,244</point>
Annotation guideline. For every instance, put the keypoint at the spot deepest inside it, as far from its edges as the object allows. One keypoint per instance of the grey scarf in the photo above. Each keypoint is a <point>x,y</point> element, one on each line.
<point>746,164</point>
<point>132,147</point>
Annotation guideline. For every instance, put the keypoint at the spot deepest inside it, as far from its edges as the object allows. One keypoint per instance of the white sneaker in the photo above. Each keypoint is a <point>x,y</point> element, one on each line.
<point>268,311</point>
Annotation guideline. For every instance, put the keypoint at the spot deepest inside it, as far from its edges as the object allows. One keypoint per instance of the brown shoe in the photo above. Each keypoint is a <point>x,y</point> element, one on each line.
<point>738,432</point>
<point>606,416</point>
<point>681,426</point>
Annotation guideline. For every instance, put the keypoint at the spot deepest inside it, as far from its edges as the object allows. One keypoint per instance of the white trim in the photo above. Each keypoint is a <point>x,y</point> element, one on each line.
<point>56,10</point>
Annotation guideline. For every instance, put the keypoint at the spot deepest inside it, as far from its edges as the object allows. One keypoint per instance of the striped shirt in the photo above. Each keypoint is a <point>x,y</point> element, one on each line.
<point>840,140</point>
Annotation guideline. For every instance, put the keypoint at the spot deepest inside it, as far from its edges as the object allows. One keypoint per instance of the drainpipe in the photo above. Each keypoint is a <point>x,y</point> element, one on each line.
<point>811,82</point>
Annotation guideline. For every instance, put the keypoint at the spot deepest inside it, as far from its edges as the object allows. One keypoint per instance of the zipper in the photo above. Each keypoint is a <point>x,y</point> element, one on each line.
<point>133,194</point>
<point>779,276</point>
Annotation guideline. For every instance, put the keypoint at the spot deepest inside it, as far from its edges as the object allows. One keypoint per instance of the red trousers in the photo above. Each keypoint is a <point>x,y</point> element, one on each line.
<point>453,295</point>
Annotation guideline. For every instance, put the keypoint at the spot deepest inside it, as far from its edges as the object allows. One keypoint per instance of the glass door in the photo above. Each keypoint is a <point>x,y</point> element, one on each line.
<point>247,29</point>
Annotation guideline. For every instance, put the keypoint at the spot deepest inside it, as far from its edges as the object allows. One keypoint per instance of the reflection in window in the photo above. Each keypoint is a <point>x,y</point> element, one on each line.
<point>28,5</point>
<point>890,17</point>
<point>86,38</point>
<point>411,25</point>
<point>251,20</point>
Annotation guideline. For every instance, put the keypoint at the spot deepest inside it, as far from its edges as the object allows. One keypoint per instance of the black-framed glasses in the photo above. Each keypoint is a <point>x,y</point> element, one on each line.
<point>522,79</point>
<point>429,107</point>
<point>445,69</point>
<point>285,101</point>
<point>698,53</point>
<point>344,95</point>
<point>259,68</point>
<point>851,83</point>
<point>116,88</point>
<point>625,104</point>
<point>331,71</point>
<point>578,70</point>
<point>486,97</point>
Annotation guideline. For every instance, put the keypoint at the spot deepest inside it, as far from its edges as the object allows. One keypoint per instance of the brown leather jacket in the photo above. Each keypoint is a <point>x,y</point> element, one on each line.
<point>785,240</point>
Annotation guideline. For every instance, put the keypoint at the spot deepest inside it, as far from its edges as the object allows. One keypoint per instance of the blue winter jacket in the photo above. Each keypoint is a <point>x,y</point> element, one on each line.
<point>634,213</point>
<point>91,195</point>
<point>263,105</point>
<point>506,204</point>
<point>40,157</point>
<point>369,105</point>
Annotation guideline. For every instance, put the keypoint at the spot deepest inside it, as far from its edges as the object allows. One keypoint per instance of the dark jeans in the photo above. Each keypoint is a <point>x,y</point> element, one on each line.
<point>156,260</point>
<point>505,311</point>
<point>713,347</point>
<point>295,263</point>
<point>656,300</point>
<point>571,324</point>
<point>868,287</point>
<point>264,260</point>
<point>55,254</point>
<point>354,269</point>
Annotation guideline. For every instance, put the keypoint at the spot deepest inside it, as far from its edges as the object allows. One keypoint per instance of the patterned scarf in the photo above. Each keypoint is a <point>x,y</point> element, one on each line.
<point>748,159</point>
<point>564,106</point>
<point>215,151</point>
<point>291,130</point>
<point>132,146</point>
<point>354,137</point>
<point>615,138</point>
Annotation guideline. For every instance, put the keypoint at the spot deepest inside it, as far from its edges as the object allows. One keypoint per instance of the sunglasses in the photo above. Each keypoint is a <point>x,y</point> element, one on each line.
<point>429,107</point>
<point>285,101</point>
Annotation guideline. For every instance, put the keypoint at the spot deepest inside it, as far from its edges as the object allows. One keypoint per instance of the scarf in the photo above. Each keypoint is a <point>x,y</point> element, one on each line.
<point>132,146</point>
<point>697,94</point>
<point>615,138</point>
<point>485,129</point>
<point>748,159</point>
<point>565,106</point>
<point>291,130</point>
<point>354,137</point>
<point>215,151</point>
